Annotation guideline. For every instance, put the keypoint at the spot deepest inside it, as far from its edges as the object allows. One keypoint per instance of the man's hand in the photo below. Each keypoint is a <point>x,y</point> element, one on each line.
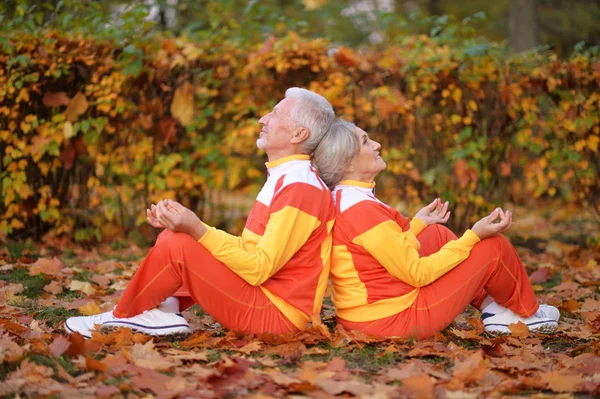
<point>488,227</point>
<point>151,216</point>
<point>176,217</point>
<point>436,212</point>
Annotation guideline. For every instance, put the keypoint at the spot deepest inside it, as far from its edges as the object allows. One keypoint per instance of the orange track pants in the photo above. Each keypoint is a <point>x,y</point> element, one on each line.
<point>180,266</point>
<point>493,268</point>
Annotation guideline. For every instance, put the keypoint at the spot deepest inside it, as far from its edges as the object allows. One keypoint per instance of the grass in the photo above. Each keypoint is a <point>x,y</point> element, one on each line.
<point>51,316</point>
<point>33,286</point>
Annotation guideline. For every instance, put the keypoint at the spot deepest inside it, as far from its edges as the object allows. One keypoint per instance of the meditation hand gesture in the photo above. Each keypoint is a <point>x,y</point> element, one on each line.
<point>436,212</point>
<point>488,227</point>
<point>172,215</point>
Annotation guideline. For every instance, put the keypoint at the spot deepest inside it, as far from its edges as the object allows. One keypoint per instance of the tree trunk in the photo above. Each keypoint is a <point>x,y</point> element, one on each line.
<point>523,26</point>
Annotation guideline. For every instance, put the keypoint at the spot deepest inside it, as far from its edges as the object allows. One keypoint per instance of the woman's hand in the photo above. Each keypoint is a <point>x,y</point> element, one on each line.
<point>436,212</point>
<point>176,217</point>
<point>488,227</point>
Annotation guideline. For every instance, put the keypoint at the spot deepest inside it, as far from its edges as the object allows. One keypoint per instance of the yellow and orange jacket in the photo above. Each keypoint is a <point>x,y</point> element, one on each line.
<point>376,269</point>
<point>286,244</point>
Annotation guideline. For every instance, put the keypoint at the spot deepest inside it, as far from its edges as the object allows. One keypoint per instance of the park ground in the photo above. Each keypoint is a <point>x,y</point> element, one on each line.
<point>42,284</point>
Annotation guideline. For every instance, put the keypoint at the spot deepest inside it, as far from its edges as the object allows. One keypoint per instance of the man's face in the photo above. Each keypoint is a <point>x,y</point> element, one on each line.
<point>278,127</point>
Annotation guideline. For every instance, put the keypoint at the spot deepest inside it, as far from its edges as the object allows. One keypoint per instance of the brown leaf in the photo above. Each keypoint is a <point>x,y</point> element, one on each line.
<point>558,382</point>
<point>519,330</point>
<point>505,169</point>
<point>251,347</point>
<point>346,57</point>
<point>333,387</point>
<point>182,107</point>
<point>464,173</point>
<point>540,276</point>
<point>473,368</point>
<point>94,365</point>
<point>53,288</point>
<point>59,346</point>
<point>55,99</point>
<point>422,386</point>
<point>336,364</point>
<point>76,107</point>
<point>10,351</point>
<point>48,266</point>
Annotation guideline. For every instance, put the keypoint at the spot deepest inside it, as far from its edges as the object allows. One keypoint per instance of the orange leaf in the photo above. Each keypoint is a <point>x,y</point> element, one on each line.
<point>561,383</point>
<point>89,309</point>
<point>94,365</point>
<point>77,106</point>
<point>519,330</point>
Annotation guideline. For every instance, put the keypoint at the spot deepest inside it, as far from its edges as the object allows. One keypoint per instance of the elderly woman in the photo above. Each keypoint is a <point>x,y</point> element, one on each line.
<point>410,278</point>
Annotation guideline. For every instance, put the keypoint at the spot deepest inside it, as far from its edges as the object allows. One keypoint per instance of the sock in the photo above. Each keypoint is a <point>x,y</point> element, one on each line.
<point>170,305</point>
<point>493,308</point>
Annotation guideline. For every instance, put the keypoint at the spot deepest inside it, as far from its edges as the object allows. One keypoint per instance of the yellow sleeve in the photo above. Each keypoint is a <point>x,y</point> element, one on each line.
<point>397,252</point>
<point>286,232</point>
<point>417,226</point>
<point>225,238</point>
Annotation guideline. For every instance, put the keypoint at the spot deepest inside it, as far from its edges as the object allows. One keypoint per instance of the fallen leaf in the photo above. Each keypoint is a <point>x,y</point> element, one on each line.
<point>94,365</point>
<point>82,286</point>
<point>421,385</point>
<point>519,330</point>
<point>252,347</point>
<point>558,382</point>
<point>540,276</point>
<point>144,355</point>
<point>53,288</point>
<point>48,266</point>
<point>473,368</point>
<point>59,346</point>
<point>89,309</point>
<point>10,351</point>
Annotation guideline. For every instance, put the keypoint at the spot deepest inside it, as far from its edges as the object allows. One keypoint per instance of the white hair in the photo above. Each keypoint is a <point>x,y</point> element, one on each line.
<point>313,112</point>
<point>335,152</point>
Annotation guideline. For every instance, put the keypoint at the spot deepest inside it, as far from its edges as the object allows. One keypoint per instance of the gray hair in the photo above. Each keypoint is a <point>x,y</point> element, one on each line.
<point>313,112</point>
<point>335,152</point>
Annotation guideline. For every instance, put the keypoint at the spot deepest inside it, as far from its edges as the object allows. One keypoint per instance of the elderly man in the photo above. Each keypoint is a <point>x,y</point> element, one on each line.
<point>273,277</point>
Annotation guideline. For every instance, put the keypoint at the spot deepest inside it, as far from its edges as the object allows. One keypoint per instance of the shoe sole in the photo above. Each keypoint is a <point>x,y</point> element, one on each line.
<point>173,336</point>
<point>544,329</point>
<point>69,330</point>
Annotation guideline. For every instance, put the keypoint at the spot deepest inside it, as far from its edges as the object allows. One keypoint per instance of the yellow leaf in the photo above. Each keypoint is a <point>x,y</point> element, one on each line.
<point>182,107</point>
<point>592,142</point>
<point>457,94</point>
<point>456,119</point>
<point>67,130</point>
<point>82,286</point>
<point>89,309</point>
<point>473,105</point>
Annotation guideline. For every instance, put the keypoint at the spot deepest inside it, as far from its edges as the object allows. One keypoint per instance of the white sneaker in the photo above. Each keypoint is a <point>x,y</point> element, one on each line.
<point>153,322</point>
<point>545,320</point>
<point>547,311</point>
<point>84,325</point>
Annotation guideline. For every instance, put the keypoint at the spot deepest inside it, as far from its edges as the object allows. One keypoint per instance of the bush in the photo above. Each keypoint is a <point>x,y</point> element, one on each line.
<point>92,131</point>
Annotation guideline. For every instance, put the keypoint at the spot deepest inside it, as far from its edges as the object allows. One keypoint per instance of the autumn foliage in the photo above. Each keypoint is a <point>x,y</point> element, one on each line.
<point>91,132</point>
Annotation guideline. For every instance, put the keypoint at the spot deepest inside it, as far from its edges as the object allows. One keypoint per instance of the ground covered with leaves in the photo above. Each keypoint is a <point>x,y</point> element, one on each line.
<point>42,284</point>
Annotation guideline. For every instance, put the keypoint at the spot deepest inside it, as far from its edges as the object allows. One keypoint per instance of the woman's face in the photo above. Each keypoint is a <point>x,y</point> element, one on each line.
<point>368,162</point>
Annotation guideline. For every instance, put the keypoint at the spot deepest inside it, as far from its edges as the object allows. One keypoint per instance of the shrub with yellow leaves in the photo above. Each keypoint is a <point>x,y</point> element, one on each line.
<point>87,141</point>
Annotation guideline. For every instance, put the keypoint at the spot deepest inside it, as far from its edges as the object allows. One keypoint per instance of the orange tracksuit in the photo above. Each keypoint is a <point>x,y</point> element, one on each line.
<point>271,279</point>
<point>395,277</point>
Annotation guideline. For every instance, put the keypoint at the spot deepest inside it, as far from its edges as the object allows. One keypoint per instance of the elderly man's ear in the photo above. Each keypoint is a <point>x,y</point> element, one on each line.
<point>299,135</point>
